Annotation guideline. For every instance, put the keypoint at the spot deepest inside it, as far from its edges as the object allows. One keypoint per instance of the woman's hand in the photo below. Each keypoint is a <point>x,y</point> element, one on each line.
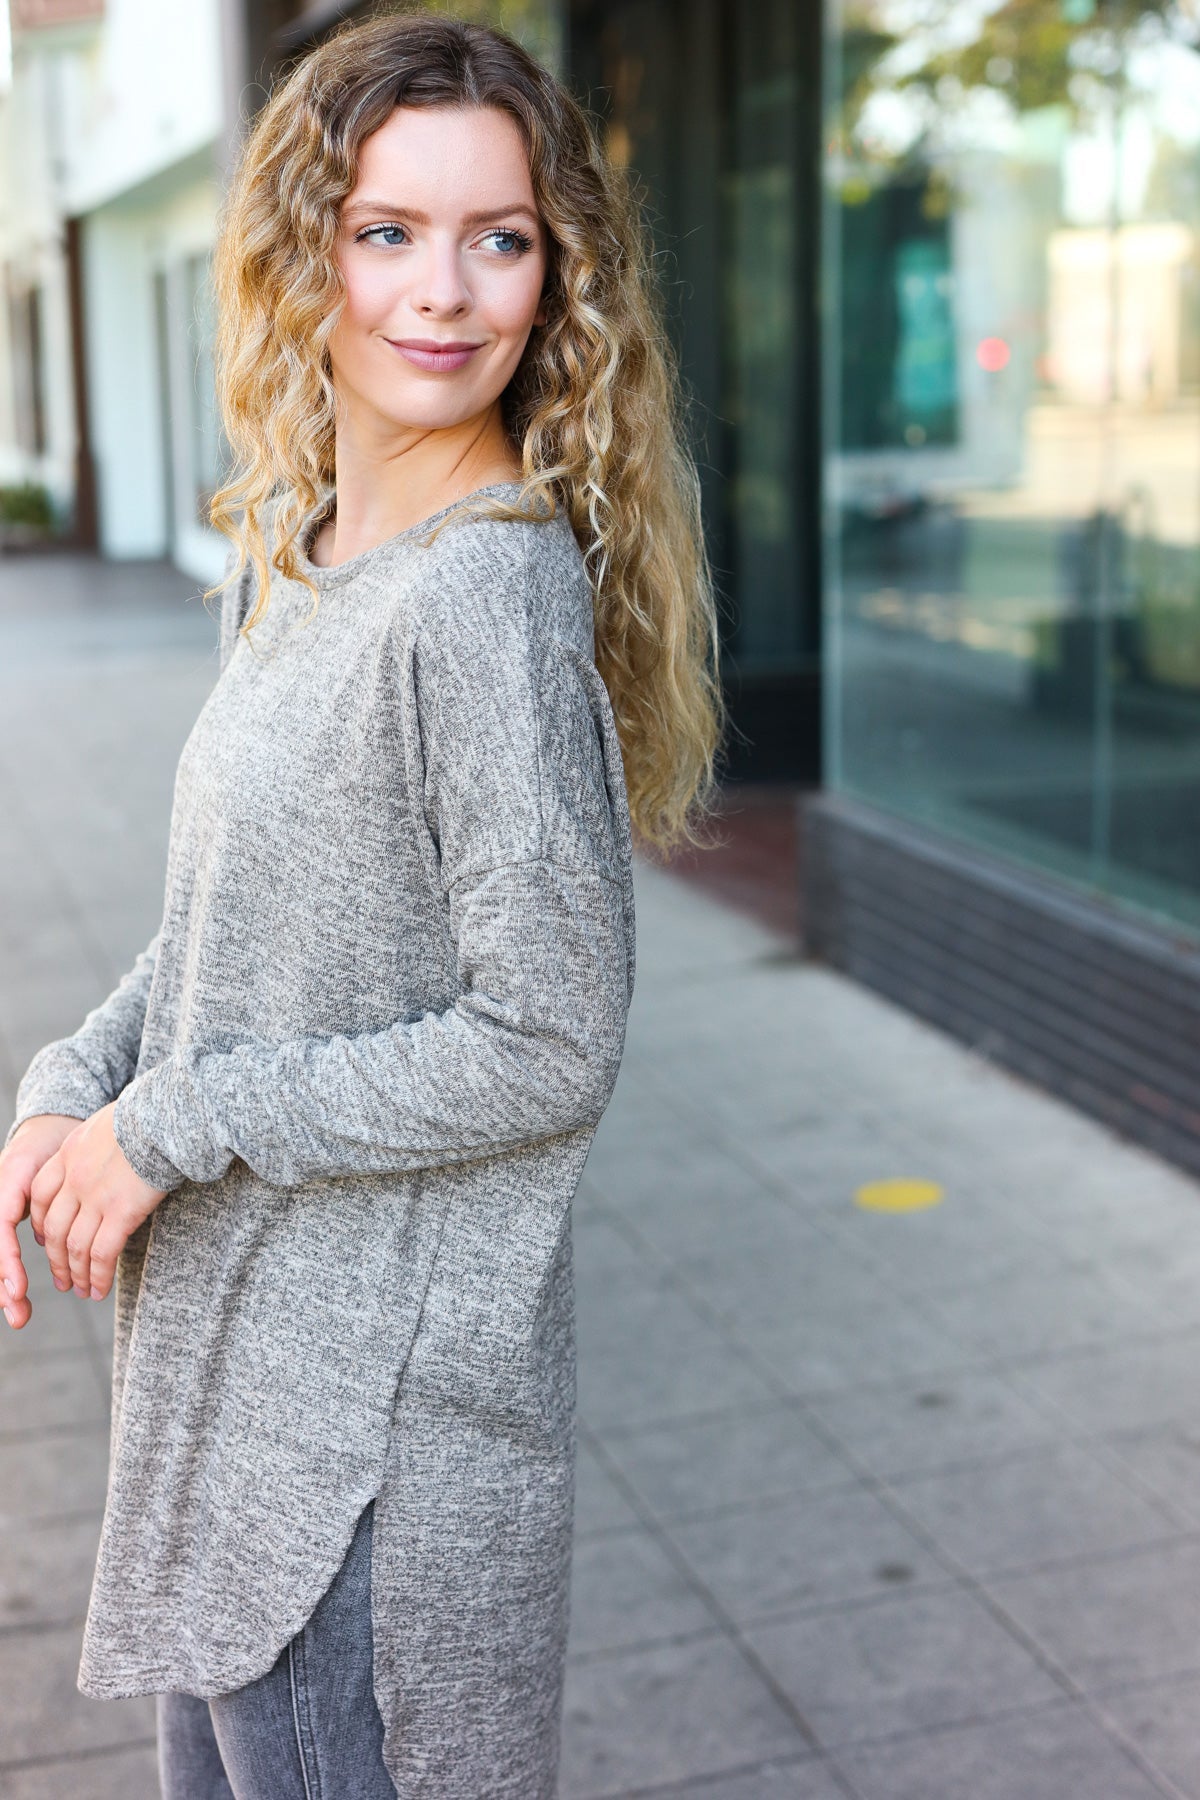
<point>33,1142</point>
<point>85,1202</point>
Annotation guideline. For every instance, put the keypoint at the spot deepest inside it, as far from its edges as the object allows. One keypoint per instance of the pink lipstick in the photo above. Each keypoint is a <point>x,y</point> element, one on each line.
<point>428,353</point>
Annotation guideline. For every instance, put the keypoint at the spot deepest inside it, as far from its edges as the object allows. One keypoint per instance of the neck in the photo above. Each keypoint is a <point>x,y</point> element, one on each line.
<point>383,486</point>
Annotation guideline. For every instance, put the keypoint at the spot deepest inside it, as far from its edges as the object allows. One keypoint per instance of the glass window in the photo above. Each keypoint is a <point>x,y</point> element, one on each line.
<point>1011,298</point>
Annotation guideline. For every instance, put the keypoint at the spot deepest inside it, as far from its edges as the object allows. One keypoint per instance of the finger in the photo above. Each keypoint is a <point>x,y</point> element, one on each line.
<point>107,1246</point>
<point>14,1292</point>
<point>12,1269</point>
<point>18,1309</point>
<point>14,1281</point>
<point>17,1312</point>
<point>57,1223</point>
<point>45,1186</point>
<point>84,1227</point>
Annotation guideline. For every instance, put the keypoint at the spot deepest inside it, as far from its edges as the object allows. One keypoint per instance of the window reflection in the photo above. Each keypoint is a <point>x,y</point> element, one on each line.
<point>1013,464</point>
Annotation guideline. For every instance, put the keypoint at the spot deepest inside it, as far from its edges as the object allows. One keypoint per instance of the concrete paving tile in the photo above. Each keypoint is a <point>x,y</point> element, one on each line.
<point>54,1474</point>
<point>804,1271</point>
<point>654,1359</point>
<point>1090,1161</point>
<point>626,1591</point>
<point>1049,1309</point>
<point>1122,1386</point>
<point>99,1316</point>
<point>956,1247</point>
<point>129,1774</point>
<point>55,1324</point>
<point>702,1465</point>
<point>699,1201</point>
<point>599,1502</point>
<point>1165,1459</point>
<point>1095,1196</point>
<point>59,1390</point>
<point>834,1545</point>
<point>823,1169</point>
<point>609,1312</point>
<point>1165,1271</point>
<point>44,1710</point>
<point>1060,1753</point>
<point>840,1346</point>
<point>46,1575</point>
<point>996,1102</point>
<point>1160,1719</point>
<point>909,1662</point>
<point>694,939</point>
<point>635,1108</point>
<point>969,1416</point>
<point>741,1100</point>
<point>1110,1620</point>
<point>672,1713</point>
<point>1058,1501</point>
<point>638,1173</point>
<point>807,1780</point>
<point>601,1252</point>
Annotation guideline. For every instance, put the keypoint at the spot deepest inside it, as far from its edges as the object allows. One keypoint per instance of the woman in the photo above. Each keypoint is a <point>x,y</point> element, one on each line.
<point>335,1115</point>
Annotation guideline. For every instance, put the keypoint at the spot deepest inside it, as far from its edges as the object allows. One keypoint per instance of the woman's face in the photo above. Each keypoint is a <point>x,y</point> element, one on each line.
<point>439,244</point>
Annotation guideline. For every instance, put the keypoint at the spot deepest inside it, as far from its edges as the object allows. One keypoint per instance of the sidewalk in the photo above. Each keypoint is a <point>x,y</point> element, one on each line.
<point>887,1505</point>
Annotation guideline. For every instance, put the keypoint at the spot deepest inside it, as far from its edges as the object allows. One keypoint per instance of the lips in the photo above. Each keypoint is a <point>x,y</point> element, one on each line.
<point>428,353</point>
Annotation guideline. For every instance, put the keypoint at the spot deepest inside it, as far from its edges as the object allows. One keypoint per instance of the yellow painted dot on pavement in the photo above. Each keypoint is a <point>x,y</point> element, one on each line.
<point>897,1196</point>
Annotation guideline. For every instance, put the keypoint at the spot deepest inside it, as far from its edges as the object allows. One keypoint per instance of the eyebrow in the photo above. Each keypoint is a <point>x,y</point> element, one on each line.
<point>388,208</point>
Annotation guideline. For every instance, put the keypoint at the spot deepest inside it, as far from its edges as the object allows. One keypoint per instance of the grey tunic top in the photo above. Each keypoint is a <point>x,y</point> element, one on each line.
<point>366,1054</point>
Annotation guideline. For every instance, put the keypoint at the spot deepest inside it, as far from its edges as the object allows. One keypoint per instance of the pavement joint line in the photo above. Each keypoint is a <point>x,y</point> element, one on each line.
<point>59,1622</point>
<point>1108,1690</point>
<point>25,1764</point>
<point>1157,1778</point>
<point>698,1784</point>
<point>684,1568</point>
<point>664,1640</point>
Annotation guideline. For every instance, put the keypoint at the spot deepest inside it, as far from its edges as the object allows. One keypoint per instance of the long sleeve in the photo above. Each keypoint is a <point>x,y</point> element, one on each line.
<point>78,1074</point>
<point>509,742</point>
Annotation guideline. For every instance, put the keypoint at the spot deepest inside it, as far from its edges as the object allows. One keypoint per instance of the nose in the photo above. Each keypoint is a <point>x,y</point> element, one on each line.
<point>439,285</point>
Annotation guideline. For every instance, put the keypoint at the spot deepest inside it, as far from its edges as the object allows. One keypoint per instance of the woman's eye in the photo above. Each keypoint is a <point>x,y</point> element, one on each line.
<point>377,231</point>
<point>519,242</point>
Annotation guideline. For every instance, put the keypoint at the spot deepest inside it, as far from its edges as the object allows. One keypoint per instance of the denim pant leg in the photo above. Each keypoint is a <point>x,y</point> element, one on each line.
<point>189,1762</point>
<point>310,1729</point>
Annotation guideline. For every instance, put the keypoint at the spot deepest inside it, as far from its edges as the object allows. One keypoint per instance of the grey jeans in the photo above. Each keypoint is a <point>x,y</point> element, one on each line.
<point>309,1729</point>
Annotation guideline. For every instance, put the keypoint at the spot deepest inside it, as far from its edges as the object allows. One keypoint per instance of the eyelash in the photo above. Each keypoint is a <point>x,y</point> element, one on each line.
<point>523,241</point>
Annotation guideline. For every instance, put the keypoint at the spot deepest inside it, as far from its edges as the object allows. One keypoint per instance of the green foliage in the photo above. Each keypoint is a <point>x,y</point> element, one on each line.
<point>26,503</point>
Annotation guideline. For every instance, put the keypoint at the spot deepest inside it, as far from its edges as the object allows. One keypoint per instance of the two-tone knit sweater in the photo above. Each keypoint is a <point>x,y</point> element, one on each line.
<point>366,1054</point>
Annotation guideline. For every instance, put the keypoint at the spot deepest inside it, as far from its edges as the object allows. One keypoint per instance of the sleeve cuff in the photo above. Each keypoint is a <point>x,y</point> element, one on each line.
<point>142,1156</point>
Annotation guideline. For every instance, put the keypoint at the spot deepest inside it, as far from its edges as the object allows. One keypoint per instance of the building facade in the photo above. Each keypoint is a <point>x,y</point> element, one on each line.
<point>111,131</point>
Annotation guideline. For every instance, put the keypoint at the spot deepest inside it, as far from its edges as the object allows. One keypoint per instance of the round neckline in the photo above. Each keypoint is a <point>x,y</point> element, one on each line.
<point>328,575</point>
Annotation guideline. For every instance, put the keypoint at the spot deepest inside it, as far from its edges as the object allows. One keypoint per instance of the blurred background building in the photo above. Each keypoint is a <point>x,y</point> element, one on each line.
<point>934,274</point>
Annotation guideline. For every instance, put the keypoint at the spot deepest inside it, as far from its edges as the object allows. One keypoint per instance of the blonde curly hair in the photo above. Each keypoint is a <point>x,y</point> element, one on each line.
<point>596,404</point>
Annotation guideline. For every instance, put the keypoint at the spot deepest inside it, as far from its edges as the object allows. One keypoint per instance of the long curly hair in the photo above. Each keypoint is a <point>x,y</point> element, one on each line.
<point>596,404</point>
